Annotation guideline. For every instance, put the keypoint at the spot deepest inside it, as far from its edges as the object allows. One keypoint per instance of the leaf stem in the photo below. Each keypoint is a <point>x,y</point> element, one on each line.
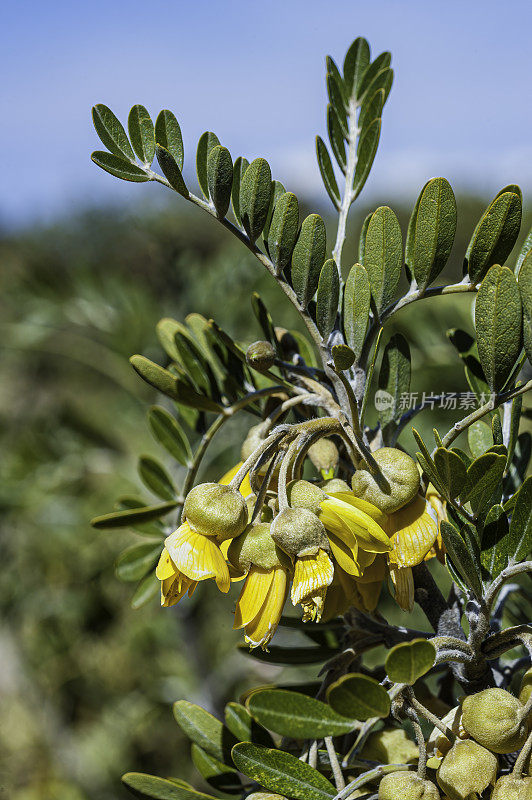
<point>333,758</point>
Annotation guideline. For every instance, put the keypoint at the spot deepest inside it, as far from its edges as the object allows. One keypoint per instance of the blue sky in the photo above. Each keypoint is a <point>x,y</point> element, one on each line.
<point>253,72</point>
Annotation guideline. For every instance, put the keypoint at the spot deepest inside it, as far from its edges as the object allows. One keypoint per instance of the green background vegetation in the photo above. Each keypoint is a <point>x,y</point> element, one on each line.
<point>86,684</point>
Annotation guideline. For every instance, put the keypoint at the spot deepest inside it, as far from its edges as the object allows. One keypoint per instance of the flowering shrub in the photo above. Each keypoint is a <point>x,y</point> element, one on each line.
<point>322,511</point>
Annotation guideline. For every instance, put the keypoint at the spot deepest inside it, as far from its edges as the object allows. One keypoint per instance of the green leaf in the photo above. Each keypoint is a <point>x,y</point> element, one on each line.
<point>515,419</point>
<point>336,138</point>
<point>278,190</point>
<point>147,590</point>
<point>264,319</point>
<point>379,65</point>
<point>217,774</point>
<point>255,195</point>
<point>359,697</point>
<point>142,134</point>
<point>244,727</point>
<point>409,661</point>
<point>207,141</point>
<point>483,478</point>
<point>155,477</point>
<point>524,251</point>
<point>525,289</point>
<point>337,101</point>
<point>362,239</point>
<point>451,470</point>
<point>126,518</point>
<point>327,172</point>
<point>343,357</point>
<point>308,257</point>
<point>332,68</point>
<point>327,298</point>
<point>366,151</point>
<point>356,62</point>
<point>296,715</point>
<point>220,178</point>
<point>495,546</point>
<point>521,525</point>
<point>498,325</point>
<point>394,376</point>
<point>494,236</point>
<point>240,166</point>
<point>431,232</point>
<point>357,302</point>
<point>171,171</point>
<point>371,110</point>
<point>281,773</point>
<point>205,730</point>
<point>169,433</point>
<point>383,257</point>
<point>284,228</point>
<point>168,135</point>
<point>479,438</point>
<point>463,557</point>
<point>163,380</point>
<point>151,786</point>
<point>135,562</point>
<point>116,166</point>
<point>111,132</point>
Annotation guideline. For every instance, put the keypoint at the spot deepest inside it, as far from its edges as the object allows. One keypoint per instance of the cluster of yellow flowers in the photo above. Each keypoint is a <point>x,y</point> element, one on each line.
<point>330,542</point>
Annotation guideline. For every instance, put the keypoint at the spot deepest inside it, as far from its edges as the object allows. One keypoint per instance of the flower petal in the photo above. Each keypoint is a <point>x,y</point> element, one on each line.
<point>197,556</point>
<point>403,582</point>
<point>261,629</point>
<point>311,574</point>
<point>165,568</point>
<point>414,533</point>
<point>245,486</point>
<point>345,556</point>
<point>370,534</point>
<point>253,595</point>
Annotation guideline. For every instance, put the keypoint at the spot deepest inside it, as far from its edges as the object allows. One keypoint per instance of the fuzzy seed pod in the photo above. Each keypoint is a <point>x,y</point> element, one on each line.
<point>401,472</point>
<point>254,439</point>
<point>256,546</point>
<point>260,356</point>
<point>335,485</point>
<point>494,717</point>
<point>299,532</point>
<point>407,786</point>
<point>467,768</point>
<point>303,494</point>
<point>511,788</point>
<point>438,744</point>
<point>324,455</point>
<point>390,746</point>
<point>216,510</point>
<point>525,690</point>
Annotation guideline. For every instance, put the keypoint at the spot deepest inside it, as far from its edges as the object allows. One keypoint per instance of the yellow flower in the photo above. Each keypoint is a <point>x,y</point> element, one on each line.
<point>174,585</point>
<point>197,557</point>
<point>439,507</point>
<point>260,604</point>
<point>312,575</point>
<point>413,532</point>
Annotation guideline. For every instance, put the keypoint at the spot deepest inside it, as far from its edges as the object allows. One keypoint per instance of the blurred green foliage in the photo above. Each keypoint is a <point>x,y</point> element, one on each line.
<point>87,684</point>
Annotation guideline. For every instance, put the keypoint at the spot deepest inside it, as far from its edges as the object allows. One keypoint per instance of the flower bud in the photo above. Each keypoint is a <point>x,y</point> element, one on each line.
<point>401,472</point>
<point>335,485</point>
<point>525,690</point>
<point>299,532</point>
<point>511,788</point>
<point>216,510</point>
<point>467,768</point>
<point>438,744</point>
<point>390,746</point>
<point>324,455</point>
<point>254,439</point>
<point>256,546</point>
<point>303,494</point>
<point>407,786</point>
<point>494,717</point>
<point>260,356</point>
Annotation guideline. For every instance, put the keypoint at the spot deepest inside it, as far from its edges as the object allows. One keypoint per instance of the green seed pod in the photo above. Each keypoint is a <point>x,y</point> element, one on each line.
<point>215,510</point>
<point>494,717</point>
<point>324,455</point>
<point>254,439</point>
<point>303,494</point>
<point>467,768</point>
<point>438,744</point>
<point>390,746</point>
<point>256,546</point>
<point>260,356</point>
<point>407,786</point>
<point>400,471</point>
<point>511,788</point>
<point>335,485</point>
<point>299,532</point>
<point>525,690</point>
